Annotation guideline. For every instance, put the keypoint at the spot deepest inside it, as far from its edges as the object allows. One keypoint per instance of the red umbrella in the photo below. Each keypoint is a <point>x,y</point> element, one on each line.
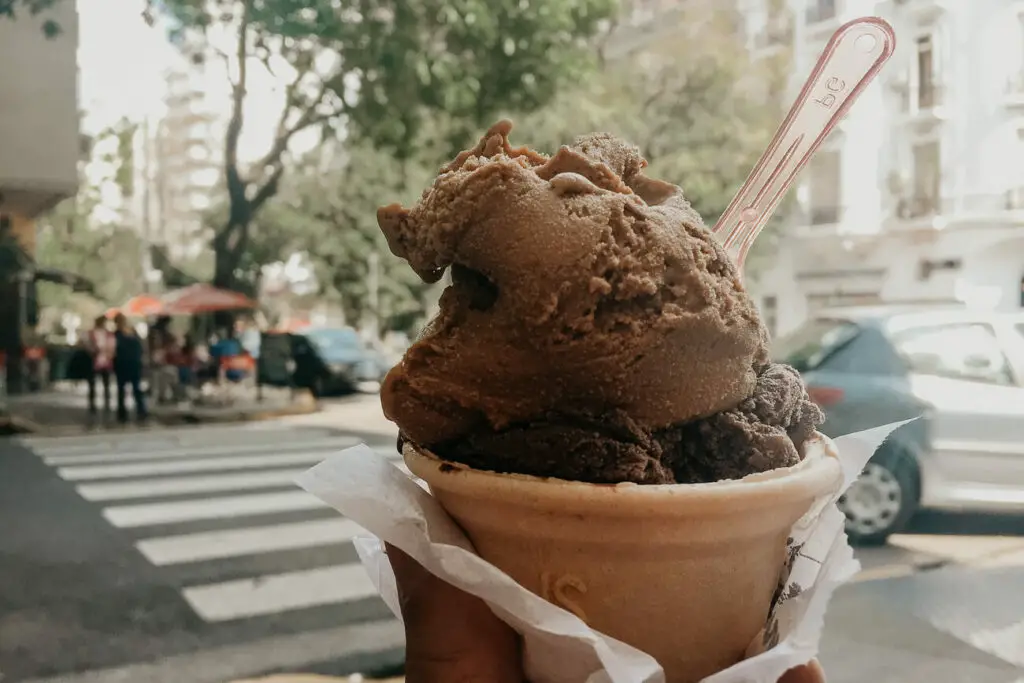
<point>140,306</point>
<point>203,298</point>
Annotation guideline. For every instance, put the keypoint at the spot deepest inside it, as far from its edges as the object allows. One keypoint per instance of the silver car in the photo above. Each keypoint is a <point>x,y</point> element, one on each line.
<point>962,372</point>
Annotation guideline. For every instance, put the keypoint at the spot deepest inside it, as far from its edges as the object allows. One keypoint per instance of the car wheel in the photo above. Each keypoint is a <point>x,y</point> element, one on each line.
<point>316,387</point>
<point>884,497</point>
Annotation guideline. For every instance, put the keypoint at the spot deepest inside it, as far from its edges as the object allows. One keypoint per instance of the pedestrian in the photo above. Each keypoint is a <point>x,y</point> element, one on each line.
<point>128,358</point>
<point>453,636</point>
<point>101,345</point>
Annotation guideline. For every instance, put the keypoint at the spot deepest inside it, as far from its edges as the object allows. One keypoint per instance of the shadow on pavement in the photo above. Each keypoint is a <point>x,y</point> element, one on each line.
<point>967,524</point>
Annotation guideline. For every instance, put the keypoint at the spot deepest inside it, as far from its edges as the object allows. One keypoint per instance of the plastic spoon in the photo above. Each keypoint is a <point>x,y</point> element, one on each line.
<point>850,60</point>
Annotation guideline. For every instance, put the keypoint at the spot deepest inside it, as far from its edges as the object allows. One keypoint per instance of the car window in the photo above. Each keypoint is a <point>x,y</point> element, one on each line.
<point>965,351</point>
<point>813,342</point>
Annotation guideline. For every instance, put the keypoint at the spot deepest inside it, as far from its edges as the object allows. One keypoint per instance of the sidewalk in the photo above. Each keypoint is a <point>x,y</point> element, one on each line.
<point>359,413</point>
<point>66,412</point>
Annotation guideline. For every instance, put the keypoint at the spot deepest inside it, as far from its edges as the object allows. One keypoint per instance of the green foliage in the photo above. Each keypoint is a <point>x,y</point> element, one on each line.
<point>415,80</point>
<point>69,240</point>
<point>73,239</point>
<point>328,211</point>
<point>687,102</point>
<point>437,71</point>
<point>12,9</point>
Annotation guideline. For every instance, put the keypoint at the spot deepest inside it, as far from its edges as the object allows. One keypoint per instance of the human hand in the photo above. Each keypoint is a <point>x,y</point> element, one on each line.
<point>452,636</point>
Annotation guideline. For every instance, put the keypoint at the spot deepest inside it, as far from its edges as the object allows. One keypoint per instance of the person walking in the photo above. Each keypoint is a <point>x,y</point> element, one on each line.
<point>128,358</point>
<point>100,344</point>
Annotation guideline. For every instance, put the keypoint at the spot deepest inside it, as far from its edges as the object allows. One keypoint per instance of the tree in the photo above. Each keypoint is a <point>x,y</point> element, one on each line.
<point>69,239</point>
<point>690,101</point>
<point>328,209</point>
<point>699,105</point>
<point>80,238</point>
<point>386,69</point>
<point>11,9</point>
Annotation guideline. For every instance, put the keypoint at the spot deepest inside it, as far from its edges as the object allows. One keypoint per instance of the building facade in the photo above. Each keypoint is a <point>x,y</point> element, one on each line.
<point>39,142</point>
<point>180,154</point>
<point>39,152</point>
<point>919,195</point>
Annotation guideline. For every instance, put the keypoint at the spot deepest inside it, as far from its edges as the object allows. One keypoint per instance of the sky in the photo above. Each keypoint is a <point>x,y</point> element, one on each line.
<point>121,62</point>
<point>122,66</point>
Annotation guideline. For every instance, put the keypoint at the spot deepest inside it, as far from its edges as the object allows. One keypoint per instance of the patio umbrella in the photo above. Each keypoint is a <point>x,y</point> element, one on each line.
<point>203,298</point>
<point>140,306</point>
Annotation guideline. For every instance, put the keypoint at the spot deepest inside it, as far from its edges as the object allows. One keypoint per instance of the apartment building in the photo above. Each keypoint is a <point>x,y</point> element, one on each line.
<point>919,195</point>
<point>180,152</point>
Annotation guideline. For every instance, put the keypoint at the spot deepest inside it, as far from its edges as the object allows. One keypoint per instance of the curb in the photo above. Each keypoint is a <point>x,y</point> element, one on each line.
<point>19,425</point>
<point>314,678</point>
<point>304,404</point>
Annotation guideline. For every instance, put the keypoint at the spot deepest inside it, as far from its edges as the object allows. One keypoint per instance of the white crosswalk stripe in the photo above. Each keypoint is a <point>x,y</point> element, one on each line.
<point>208,499</point>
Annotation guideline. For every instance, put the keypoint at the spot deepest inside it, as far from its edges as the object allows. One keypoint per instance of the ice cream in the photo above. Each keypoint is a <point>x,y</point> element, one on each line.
<point>594,330</point>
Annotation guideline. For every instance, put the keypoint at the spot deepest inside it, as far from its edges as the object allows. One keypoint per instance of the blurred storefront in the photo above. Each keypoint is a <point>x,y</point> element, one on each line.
<point>39,151</point>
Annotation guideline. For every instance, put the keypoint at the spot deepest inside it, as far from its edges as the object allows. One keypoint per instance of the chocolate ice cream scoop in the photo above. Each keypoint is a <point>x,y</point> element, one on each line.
<point>579,287</point>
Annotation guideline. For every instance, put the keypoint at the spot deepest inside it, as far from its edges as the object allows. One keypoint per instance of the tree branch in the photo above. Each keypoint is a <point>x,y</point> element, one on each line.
<point>235,184</point>
<point>268,189</point>
<point>308,117</point>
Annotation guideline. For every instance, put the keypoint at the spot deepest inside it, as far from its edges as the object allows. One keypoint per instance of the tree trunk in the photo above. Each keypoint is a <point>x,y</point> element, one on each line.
<point>228,249</point>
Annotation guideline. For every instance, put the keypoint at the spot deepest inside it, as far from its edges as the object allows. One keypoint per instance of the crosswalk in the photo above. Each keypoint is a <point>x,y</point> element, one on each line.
<point>192,500</point>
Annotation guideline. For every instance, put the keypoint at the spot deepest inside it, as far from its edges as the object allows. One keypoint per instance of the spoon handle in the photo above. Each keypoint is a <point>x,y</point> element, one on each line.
<point>850,60</point>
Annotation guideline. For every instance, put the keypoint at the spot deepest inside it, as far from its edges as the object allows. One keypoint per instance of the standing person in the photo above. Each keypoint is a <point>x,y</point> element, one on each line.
<point>100,344</point>
<point>163,376</point>
<point>128,358</point>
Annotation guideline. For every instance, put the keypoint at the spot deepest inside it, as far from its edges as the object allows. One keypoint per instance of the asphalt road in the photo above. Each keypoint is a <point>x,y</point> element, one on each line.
<point>156,546</point>
<point>189,556</point>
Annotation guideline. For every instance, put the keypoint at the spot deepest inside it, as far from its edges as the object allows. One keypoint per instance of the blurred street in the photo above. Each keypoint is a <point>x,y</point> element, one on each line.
<point>188,555</point>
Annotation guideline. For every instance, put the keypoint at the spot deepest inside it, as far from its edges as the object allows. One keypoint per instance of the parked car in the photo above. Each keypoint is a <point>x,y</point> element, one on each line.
<point>962,372</point>
<point>325,360</point>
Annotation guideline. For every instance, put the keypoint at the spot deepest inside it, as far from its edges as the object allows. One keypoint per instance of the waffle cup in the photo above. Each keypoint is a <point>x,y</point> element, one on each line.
<point>683,572</point>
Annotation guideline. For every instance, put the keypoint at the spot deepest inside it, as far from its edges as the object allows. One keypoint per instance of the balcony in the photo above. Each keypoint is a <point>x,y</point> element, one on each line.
<point>39,116</point>
<point>918,206</point>
<point>816,221</point>
<point>927,11</point>
<point>1014,94</point>
<point>974,208</point>
<point>923,105</point>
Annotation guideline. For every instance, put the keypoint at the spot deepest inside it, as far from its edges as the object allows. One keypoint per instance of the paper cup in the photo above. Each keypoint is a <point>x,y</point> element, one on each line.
<point>683,572</point>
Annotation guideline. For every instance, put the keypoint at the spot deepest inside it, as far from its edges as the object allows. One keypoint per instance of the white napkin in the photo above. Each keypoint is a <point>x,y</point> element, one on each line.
<point>559,647</point>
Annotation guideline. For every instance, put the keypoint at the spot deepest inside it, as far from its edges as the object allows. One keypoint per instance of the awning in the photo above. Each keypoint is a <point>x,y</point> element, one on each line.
<point>62,277</point>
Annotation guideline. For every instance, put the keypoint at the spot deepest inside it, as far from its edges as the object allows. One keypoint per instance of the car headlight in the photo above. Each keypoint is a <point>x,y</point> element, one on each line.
<point>341,368</point>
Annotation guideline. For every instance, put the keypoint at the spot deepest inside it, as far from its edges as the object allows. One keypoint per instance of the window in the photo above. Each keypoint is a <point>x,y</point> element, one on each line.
<point>968,352</point>
<point>824,176</point>
<point>927,178</point>
<point>820,10</point>
<point>770,313</point>
<point>927,93</point>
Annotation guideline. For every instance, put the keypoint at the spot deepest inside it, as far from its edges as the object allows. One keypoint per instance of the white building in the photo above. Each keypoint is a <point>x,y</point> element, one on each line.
<point>919,195</point>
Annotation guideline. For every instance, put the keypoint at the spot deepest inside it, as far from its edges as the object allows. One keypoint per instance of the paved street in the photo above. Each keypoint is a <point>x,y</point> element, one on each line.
<point>189,555</point>
<point>139,547</point>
